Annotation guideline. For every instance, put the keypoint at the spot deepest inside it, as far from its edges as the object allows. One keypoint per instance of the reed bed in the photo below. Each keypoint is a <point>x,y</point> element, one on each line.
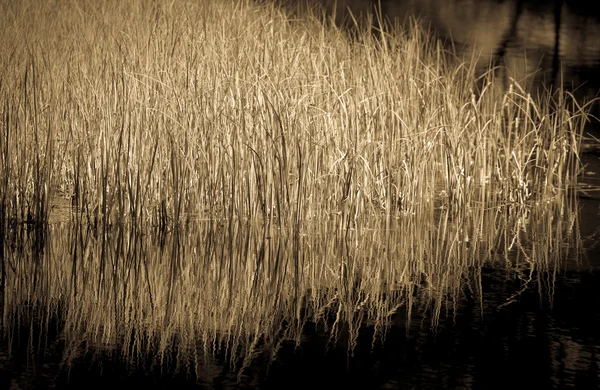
<point>233,173</point>
<point>158,114</point>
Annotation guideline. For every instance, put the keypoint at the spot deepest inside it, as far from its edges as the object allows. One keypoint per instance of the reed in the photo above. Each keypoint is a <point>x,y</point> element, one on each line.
<point>234,174</point>
<point>255,116</point>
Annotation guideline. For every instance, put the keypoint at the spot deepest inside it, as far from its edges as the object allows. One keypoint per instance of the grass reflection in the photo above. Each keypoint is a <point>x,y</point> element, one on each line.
<point>207,291</point>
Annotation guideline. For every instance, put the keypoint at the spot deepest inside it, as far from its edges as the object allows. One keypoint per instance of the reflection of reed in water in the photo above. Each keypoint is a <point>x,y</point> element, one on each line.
<point>204,295</point>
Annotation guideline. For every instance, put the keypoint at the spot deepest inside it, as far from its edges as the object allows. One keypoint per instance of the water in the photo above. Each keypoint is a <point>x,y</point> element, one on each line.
<point>527,343</point>
<point>539,44</point>
<point>204,307</point>
<point>85,310</point>
<point>536,43</point>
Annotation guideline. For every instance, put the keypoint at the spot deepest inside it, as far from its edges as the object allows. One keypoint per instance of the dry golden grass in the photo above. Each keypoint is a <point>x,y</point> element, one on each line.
<point>155,113</point>
<point>302,175</point>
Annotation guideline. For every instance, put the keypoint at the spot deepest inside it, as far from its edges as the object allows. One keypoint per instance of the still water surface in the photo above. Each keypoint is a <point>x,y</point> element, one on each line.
<point>86,310</point>
<point>254,306</point>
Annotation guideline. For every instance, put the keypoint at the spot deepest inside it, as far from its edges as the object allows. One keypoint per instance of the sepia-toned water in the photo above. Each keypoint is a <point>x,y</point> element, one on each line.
<point>251,306</point>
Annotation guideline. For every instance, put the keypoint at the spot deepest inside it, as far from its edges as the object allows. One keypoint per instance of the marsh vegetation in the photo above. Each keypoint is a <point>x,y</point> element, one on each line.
<point>207,177</point>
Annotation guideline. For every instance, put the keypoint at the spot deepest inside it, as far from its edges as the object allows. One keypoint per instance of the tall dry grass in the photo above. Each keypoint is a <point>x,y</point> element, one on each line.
<point>332,180</point>
<point>154,113</point>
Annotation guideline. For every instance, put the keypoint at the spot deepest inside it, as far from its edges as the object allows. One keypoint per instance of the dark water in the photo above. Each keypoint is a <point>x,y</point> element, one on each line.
<point>534,342</point>
<point>533,39</point>
<point>78,312</point>
<point>531,343</point>
<point>539,44</point>
<point>525,328</point>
